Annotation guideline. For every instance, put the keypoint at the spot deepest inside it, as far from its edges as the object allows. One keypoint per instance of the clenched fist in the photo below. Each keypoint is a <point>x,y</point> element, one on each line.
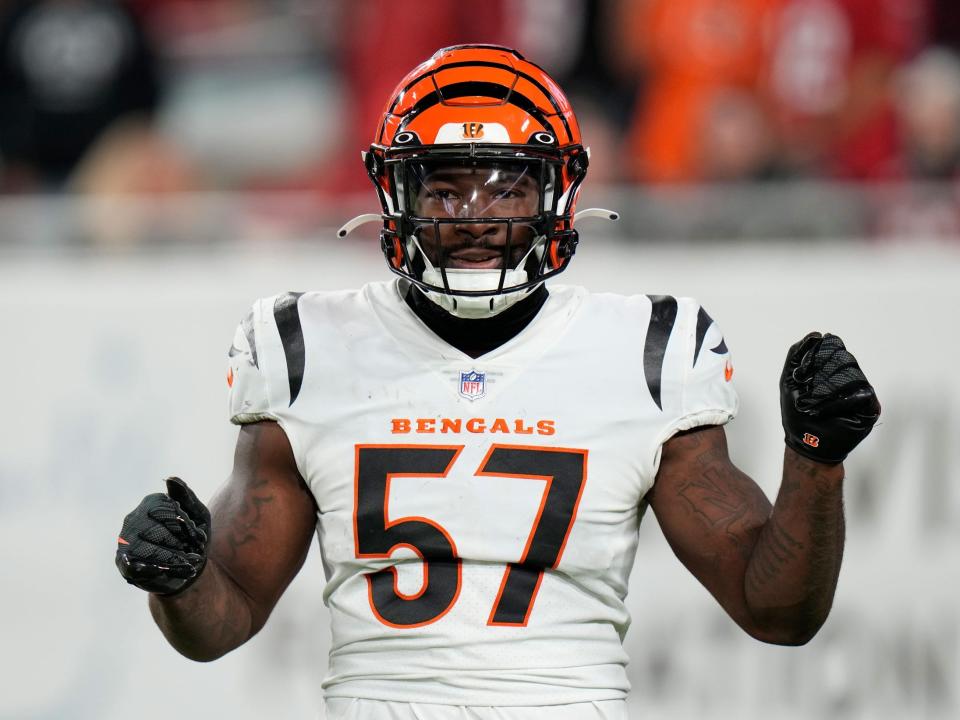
<point>162,544</point>
<point>826,403</point>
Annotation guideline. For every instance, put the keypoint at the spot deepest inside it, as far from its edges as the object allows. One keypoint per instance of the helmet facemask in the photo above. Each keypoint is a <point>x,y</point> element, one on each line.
<point>476,228</point>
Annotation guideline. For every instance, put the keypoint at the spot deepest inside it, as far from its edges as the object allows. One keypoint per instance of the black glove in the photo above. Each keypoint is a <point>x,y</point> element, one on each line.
<point>827,405</point>
<point>162,544</point>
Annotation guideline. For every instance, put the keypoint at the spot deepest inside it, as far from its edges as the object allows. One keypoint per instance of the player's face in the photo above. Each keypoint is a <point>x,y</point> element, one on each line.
<point>476,193</point>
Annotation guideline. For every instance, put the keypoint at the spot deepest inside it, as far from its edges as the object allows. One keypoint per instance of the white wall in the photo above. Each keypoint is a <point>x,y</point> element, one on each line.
<point>112,373</point>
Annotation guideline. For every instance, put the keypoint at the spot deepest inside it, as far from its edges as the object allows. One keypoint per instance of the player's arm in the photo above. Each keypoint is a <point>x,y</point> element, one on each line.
<point>260,527</point>
<point>773,569</point>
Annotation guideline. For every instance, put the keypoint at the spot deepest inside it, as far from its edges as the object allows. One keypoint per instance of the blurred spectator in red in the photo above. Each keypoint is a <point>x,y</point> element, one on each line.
<point>69,69</point>
<point>571,40</point>
<point>379,41</point>
<point>169,18</point>
<point>928,113</point>
<point>830,81</point>
<point>928,110</point>
<point>686,51</point>
<point>735,142</point>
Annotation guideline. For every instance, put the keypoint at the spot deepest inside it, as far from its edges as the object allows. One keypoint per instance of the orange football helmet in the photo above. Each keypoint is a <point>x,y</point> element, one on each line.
<point>477,163</point>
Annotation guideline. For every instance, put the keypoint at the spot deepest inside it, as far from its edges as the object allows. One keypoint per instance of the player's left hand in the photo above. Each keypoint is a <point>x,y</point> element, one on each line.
<point>826,403</point>
<point>162,544</point>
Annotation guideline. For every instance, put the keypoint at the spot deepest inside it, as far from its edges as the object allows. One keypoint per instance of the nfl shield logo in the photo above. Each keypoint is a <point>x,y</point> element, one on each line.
<point>472,384</point>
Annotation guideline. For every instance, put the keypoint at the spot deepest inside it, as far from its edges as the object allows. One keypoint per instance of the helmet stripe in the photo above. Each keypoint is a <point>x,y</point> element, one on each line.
<point>482,89</point>
<point>485,63</point>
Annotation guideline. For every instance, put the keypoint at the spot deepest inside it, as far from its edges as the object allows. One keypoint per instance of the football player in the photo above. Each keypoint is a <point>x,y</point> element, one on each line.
<point>475,452</point>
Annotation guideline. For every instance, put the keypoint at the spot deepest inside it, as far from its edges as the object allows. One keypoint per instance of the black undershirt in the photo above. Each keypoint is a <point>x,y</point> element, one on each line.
<point>476,337</point>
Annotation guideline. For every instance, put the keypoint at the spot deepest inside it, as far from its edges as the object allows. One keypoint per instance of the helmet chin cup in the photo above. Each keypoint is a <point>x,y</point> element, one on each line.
<point>474,306</point>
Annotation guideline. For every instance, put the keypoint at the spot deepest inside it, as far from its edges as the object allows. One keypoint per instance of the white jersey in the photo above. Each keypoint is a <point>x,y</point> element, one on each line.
<point>478,517</point>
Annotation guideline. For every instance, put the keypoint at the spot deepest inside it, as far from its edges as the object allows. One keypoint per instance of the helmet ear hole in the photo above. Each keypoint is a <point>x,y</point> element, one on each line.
<point>553,254</point>
<point>373,163</point>
<point>577,164</point>
<point>562,248</point>
<point>391,246</point>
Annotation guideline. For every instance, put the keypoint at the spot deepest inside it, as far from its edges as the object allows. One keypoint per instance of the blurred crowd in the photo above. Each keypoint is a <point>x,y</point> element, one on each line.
<point>151,97</point>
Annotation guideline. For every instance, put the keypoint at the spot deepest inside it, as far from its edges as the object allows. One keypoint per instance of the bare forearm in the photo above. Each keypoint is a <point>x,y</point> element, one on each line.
<point>792,573</point>
<point>260,526</point>
<point>207,620</point>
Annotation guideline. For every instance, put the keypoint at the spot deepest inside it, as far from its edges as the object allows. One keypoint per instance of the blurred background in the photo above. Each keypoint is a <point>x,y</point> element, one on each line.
<point>793,164</point>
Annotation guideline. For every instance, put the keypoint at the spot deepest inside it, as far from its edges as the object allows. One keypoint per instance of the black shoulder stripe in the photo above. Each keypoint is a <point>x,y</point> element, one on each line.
<point>247,325</point>
<point>663,315</point>
<point>704,321</point>
<point>287,314</point>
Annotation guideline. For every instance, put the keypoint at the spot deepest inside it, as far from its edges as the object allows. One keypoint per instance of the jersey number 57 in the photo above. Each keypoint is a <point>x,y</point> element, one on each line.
<point>563,469</point>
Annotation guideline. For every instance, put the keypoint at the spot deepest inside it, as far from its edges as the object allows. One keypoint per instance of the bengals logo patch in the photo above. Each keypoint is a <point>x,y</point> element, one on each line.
<point>472,130</point>
<point>811,440</point>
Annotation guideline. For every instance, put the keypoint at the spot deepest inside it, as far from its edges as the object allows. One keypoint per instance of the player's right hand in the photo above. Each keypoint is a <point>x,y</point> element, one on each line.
<point>162,547</point>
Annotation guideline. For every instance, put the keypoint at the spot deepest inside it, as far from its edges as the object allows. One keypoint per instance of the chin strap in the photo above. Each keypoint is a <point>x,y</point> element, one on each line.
<point>476,306</point>
<point>350,225</point>
<point>598,213</point>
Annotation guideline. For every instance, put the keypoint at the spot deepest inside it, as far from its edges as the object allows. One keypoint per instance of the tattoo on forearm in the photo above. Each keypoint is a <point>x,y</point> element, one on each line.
<point>711,456</point>
<point>790,486</point>
<point>244,529</point>
<point>775,549</point>
<point>721,499</point>
<point>827,528</point>
<point>247,516</point>
<point>794,575</point>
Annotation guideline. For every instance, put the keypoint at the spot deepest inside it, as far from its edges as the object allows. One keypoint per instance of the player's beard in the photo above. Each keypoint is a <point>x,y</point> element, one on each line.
<point>470,253</point>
